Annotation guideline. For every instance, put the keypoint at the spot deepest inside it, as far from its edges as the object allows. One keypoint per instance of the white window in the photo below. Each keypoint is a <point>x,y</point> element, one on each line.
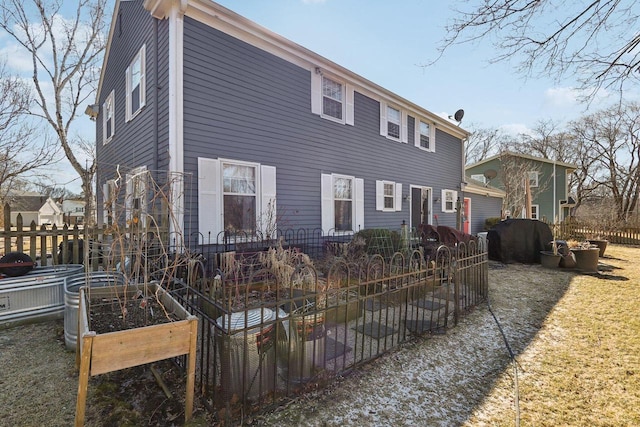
<point>235,196</point>
<point>342,203</point>
<point>534,211</point>
<point>533,178</point>
<point>331,98</point>
<point>479,177</point>
<point>393,122</point>
<point>108,118</point>
<point>136,92</point>
<point>136,196</point>
<point>425,136</point>
<point>449,198</point>
<point>388,196</point>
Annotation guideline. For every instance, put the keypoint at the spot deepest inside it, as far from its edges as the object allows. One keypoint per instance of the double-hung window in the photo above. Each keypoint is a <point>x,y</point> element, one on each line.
<point>136,195</point>
<point>136,83</point>
<point>388,196</point>
<point>393,122</point>
<point>533,178</point>
<point>425,137</point>
<point>342,203</point>
<point>332,99</point>
<point>534,211</point>
<point>108,118</point>
<point>239,196</point>
<point>235,197</point>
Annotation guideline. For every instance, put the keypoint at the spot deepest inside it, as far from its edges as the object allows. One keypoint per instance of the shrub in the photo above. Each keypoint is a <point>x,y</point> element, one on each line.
<point>490,222</point>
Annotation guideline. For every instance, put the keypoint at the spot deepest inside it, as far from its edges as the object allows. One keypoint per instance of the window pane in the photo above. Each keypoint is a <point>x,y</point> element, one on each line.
<point>342,188</point>
<point>332,89</point>
<point>393,130</point>
<point>388,203</point>
<point>393,115</point>
<point>239,213</point>
<point>239,179</point>
<point>135,99</point>
<point>332,108</point>
<point>388,189</point>
<point>136,72</point>
<point>343,215</point>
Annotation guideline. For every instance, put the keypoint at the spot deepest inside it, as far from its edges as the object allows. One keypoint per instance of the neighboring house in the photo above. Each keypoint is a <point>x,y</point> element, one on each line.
<point>481,201</point>
<point>249,118</point>
<point>39,209</point>
<point>548,181</point>
<point>73,211</point>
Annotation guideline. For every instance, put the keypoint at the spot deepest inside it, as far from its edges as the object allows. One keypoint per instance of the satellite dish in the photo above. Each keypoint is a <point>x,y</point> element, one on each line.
<point>458,115</point>
<point>490,174</point>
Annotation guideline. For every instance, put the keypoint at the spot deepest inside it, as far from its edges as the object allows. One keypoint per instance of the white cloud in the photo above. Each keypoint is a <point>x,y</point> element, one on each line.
<point>562,97</point>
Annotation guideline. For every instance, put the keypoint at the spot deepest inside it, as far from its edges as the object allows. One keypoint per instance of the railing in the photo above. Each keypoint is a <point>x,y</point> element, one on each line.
<point>263,338</point>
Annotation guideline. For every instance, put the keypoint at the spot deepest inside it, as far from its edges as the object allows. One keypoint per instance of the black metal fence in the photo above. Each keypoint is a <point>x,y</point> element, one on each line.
<point>274,325</point>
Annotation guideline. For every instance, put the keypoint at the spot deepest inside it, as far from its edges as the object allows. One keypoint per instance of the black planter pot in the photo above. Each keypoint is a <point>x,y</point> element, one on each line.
<point>549,259</point>
<point>601,244</point>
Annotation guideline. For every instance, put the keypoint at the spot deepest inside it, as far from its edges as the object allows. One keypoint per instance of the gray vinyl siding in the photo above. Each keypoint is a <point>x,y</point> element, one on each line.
<point>242,103</point>
<point>483,207</point>
<point>134,142</point>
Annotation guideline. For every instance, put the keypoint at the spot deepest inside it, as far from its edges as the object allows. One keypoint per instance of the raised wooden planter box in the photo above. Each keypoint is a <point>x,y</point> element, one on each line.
<point>101,353</point>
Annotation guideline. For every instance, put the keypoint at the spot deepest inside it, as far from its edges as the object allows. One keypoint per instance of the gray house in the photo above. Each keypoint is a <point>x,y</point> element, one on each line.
<point>261,131</point>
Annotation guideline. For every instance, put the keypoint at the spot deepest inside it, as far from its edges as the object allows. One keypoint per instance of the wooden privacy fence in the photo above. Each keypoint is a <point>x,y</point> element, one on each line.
<point>52,245</point>
<point>619,235</point>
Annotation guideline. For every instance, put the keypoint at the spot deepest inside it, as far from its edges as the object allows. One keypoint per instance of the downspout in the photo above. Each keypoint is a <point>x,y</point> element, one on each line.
<point>554,192</point>
<point>156,166</point>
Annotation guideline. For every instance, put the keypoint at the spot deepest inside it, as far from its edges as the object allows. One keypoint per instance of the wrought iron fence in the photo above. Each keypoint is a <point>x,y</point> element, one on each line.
<point>268,333</point>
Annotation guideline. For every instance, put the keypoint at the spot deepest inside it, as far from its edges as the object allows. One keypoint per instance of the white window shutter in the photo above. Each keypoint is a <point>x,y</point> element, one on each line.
<point>105,199</point>
<point>416,129</point>
<point>209,200</point>
<point>127,110</point>
<point>350,109</point>
<point>268,187</point>
<point>359,205</point>
<point>316,92</point>
<point>398,197</point>
<point>327,208</point>
<point>383,118</point>
<point>143,74</point>
<point>379,195</point>
<point>403,127</point>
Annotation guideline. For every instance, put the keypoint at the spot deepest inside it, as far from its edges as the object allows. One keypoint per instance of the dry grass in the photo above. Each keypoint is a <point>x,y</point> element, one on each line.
<point>583,367</point>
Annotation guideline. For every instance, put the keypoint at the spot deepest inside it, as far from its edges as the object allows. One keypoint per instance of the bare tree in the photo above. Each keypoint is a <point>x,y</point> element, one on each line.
<point>65,52</point>
<point>22,152</point>
<point>514,172</point>
<point>609,161</point>
<point>482,143</point>
<point>595,40</point>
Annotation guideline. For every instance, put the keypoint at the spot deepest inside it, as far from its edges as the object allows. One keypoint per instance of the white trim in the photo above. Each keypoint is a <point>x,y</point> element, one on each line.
<point>535,208</point>
<point>327,202</point>
<point>533,177</point>
<point>396,196</point>
<point>209,200</point>
<point>176,106</point>
<point>430,203</point>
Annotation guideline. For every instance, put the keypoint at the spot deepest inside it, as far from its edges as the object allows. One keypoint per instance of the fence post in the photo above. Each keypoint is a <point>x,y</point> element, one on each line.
<point>19,235</point>
<point>33,241</point>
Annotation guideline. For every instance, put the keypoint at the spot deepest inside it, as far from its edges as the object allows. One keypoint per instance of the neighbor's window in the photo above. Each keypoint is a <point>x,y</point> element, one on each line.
<point>479,177</point>
<point>332,98</point>
<point>108,119</point>
<point>136,85</point>
<point>533,179</point>
<point>239,197</point>
<point>343,203</point>
<point>394,121</point>
<point>534,211</point>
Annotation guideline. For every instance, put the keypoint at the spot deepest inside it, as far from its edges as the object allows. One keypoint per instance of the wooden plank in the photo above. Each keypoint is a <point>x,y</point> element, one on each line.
<point>133,347</point>
<point>191,369</point>
<point>83,380</point>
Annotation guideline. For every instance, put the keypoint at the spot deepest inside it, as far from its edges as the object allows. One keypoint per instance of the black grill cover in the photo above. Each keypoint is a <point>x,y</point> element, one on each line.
<point>519,240</point>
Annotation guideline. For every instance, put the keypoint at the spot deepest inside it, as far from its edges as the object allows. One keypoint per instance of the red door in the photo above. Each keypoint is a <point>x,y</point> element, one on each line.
<point>466,220</point>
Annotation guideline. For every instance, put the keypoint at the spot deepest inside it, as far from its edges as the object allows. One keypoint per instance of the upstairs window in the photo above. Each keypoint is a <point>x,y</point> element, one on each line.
<point>108,119</point>
<point>533,178</point>
<point>394,121</point>
<point>136,78</point>
<point>426,136</point>
<point>332,99</point>
<point>479,177</point>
